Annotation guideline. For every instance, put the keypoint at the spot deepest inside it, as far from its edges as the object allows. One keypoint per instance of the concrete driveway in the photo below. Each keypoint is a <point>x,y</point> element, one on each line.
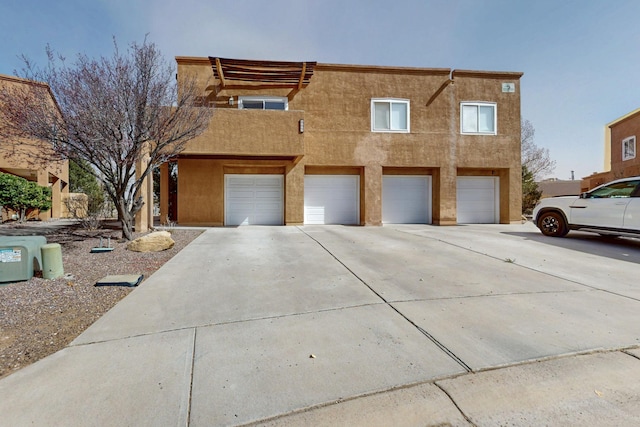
<point>330,325</point>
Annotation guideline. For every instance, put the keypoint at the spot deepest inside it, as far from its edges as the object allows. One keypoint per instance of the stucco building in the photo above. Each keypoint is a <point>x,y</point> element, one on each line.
<point>19,157</point>
<point>620,159</point>
<point>558,187</point>
<point>310,143</point>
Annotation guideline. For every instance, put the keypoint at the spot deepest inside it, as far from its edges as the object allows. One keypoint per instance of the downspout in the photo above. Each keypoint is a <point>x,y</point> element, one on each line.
<point>452,174</point>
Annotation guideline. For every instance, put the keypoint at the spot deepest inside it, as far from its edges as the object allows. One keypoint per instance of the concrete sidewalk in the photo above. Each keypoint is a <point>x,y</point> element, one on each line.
<point>330,325</point>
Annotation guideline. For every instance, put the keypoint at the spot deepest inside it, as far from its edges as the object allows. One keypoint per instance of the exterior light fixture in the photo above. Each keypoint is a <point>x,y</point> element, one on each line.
<point>301,125</point>
<point>231,100</point>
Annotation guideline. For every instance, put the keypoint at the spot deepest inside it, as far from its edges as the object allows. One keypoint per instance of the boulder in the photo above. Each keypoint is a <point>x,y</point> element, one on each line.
<point>152,242</point>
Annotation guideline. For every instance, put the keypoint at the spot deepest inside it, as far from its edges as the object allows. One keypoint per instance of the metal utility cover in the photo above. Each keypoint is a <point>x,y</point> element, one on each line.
<point>130,280</point>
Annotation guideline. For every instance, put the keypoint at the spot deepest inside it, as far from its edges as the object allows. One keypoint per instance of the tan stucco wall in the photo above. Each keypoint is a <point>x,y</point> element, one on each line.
<point>336,108</point>
<point>201,204</point>
<point>251,133</point>
<point>200,192</point>
<point>22,157</point>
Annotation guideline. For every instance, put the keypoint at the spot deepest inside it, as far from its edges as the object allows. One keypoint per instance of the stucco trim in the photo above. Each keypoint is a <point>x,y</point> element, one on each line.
<point>384,69</point>
<point>487,74</point>
<point>42,85</point>
<point>624,118</point>
<point>192,60</point>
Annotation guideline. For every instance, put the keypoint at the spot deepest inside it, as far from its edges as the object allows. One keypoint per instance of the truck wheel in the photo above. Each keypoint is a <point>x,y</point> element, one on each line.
<point>552,224</point>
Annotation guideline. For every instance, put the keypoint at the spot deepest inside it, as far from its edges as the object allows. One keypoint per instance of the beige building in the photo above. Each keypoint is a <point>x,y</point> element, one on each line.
<point>20,158</point>
<point>620,158</point>
<point>308,143</point>
<point>557,187</point>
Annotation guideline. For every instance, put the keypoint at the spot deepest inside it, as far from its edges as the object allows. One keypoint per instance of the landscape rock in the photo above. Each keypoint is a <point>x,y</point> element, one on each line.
<point>152,242</point>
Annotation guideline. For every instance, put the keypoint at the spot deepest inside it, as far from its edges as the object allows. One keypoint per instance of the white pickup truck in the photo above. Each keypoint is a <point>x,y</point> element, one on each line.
<point>611,209</point>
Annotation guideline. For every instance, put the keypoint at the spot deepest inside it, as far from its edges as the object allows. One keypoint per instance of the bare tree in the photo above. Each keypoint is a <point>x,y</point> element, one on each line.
<point>536,159</point>
<point>113,112</point>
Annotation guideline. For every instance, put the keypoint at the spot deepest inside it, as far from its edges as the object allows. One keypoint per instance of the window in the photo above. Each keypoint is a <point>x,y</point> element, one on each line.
<point>389,115</point>
<point>478,118</point>
<point>629,148</point>
<point>614,191</point>
<point>263,103</point>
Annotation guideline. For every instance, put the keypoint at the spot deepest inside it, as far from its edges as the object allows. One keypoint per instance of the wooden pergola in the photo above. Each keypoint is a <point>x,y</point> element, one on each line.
<point>250,74</point>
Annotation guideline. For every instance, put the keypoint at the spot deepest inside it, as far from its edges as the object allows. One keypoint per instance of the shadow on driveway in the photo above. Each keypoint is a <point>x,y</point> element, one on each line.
<point>621,248</point>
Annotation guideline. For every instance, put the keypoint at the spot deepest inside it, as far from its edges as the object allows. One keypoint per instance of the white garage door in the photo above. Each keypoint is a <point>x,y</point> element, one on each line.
<point>331,199</point>
<point>253,199</point>
<point>406,199</point>
<point>478,200</point>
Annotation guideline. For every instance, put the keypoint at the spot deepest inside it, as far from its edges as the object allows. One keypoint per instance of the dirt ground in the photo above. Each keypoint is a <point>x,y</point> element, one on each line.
<point>39,317</point>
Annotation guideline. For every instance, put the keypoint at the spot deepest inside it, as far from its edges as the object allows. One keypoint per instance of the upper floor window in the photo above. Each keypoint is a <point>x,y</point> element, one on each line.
<point>629,148</point>
<point>478,118</point>
<point>390,115</point>
<point>263,103</point>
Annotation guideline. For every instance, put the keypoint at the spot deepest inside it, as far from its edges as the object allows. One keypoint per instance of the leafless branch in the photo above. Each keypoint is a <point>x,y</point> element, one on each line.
<point>536,159</point>
<point>113,112</point>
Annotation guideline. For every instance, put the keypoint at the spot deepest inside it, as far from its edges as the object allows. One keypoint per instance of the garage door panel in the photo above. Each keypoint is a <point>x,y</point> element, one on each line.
<point>267,194</point>
<point>406,199</point>
<point>268,181</point>
<point>477,182</point>
<point>478,200</point>
<point>314,214</point>
<point>479,195</point>
<point>332,199</point>
<point>242,193</point>
<point>254,199</point>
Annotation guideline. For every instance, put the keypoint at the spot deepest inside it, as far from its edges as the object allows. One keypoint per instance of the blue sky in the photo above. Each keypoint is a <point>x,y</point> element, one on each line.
<point>580,58</point>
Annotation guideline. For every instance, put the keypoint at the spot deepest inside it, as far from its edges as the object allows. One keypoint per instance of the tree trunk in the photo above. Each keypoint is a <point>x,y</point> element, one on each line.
<point>125,220</point>
<point>127,226</point>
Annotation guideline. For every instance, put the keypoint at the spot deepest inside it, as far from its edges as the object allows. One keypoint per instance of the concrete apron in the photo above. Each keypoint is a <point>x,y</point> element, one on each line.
<point>253,323</point>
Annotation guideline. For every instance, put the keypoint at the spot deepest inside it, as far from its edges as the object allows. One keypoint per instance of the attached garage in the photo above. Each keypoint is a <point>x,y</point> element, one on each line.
<point>332,199</point>
<point>406,199</point>
<point>478,200</point>
<point>253,199</point>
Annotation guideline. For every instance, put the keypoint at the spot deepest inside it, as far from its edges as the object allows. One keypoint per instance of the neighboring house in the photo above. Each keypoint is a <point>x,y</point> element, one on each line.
<point>620,158</point>
<point>559,187</point>
<point>309,143</point>
<point>17,158</point>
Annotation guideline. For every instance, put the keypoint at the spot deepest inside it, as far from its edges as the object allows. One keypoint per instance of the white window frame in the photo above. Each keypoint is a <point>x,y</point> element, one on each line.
<point>390,101</point>
<point>263,99</point>
<point>629,148</point>
<point>478,105</point>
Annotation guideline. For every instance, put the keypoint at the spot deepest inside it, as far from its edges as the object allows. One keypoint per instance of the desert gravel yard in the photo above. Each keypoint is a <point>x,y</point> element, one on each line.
<point>39,317</point>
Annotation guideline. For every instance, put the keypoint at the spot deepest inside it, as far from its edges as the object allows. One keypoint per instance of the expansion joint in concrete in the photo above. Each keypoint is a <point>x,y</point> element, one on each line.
<point>388,303</point>
<point>466,417</point>
<point>628,353</point>
<point>555,276</point>
<point>193,360</point>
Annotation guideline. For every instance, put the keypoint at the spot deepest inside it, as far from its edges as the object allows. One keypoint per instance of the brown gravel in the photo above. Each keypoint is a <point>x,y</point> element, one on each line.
<point>39,317</point>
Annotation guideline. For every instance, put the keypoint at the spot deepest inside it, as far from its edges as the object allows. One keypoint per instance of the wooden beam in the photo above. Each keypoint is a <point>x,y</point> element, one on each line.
<point>292,93</point>
<point>302,73</point>
<point>220,73</point>
<point>258,86</point>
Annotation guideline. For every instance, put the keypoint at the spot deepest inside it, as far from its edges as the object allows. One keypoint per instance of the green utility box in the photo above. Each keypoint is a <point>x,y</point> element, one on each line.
<point>19,257</point>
